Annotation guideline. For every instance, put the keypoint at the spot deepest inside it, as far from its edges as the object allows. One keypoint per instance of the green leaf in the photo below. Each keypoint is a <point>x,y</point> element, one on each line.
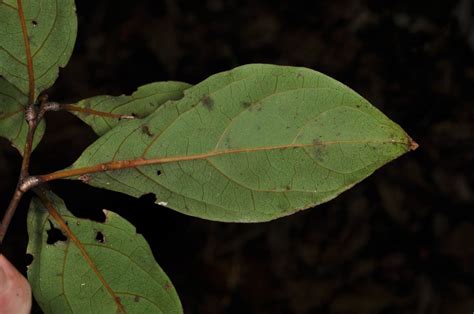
<point>12,117</point>
<point>51,27</point>
<point>98,111</point>
<point>63,282</point>
<point>252,144</point>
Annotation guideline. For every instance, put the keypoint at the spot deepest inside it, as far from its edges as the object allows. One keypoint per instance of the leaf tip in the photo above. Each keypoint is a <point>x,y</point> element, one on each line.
<point>412,144</point>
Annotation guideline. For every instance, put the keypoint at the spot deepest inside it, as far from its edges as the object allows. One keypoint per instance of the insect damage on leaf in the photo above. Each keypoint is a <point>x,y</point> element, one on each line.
<point>146,130</point>
<point>55,235</point>
<point>99,237</point>
<point>208,102</point>
<point>265,128</point>
<point>85,178</point>
<point>98,252</point>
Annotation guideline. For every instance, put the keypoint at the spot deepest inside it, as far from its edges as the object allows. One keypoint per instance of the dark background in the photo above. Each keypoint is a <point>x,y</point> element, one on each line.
<point>399,242</point>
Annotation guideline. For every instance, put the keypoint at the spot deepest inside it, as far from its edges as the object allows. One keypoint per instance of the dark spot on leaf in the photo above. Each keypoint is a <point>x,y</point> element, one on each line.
<point>299,75</point>
<point>134,114</point>
<point>246,104</point>
<point>158,172</point>
<point>99,237</point>
<point>258,127</point>
<point>227,142</point>
<point>146,130</point>
<point>168,285</point>
<point>35,23</point>
<point>54,234</point>
<point>208,102</point>
<point>358,106</point>
<point>320,153</point>
<point>287,188</point>
<point>137,298</point>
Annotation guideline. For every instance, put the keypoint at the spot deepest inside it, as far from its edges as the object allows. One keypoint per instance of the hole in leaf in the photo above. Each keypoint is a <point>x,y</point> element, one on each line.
<point>98,216</point>
<point>35,23</point>
<point>158,172</point>
<point>137,298</point>
<point>148,198</point>
<point>99,237</point>
<point>54,235</point>
<point>29,259</point>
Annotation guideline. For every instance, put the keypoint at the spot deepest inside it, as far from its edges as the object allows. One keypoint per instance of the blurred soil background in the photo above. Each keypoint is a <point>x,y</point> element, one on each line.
<point>402,241</point>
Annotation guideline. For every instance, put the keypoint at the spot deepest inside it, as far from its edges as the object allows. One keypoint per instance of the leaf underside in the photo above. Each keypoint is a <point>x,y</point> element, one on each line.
<point>140,104</point>
<point>51,27</point>
<point>63,282</point>
<point>12,118</point>
<point>251,144</point>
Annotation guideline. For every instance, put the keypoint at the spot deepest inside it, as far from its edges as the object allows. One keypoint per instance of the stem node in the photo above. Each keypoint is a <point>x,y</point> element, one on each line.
<point>28,183</point>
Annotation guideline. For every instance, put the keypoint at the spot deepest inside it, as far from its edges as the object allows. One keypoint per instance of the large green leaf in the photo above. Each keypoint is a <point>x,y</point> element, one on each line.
<point>51,27</point>
<point>64,282</point>
<point>251,144</point>
<point>97,111</point>
<point>12,118</point>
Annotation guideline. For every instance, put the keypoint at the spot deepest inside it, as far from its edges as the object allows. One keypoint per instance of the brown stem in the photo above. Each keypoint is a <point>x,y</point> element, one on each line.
<point>31,116</point>
<point>9,213</point>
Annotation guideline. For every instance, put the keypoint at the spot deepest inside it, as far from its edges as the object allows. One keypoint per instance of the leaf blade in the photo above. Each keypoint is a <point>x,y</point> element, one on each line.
<point>51,32</point>
<point>251,144</point>
<point>123,258</point>
<point>141,103</point>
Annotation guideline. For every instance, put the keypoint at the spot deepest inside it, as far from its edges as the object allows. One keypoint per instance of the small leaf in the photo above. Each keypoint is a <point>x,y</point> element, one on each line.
<point>13,125</point>
<point>252,144</point>
<point>51,32</point>
<point>103,113</point>
<point>123,268</point>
